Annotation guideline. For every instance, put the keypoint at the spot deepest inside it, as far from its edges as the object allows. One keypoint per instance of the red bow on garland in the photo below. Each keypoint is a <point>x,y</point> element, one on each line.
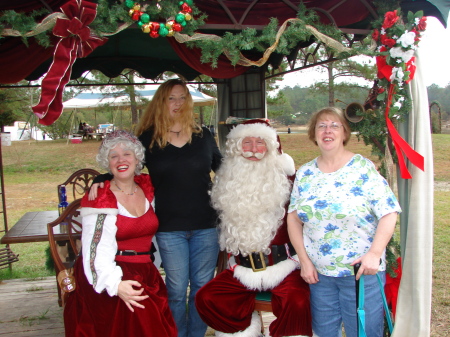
<point>76,41</point>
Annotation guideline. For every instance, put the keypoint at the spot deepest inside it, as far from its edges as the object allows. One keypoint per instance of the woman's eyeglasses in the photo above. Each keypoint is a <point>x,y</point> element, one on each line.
<point>333,126</point>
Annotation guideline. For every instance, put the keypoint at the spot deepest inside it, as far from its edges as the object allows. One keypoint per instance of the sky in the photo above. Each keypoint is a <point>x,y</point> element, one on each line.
<point>434,55</point>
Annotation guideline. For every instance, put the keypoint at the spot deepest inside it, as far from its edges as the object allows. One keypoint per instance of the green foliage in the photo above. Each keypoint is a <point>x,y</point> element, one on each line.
<point>24,23</point>
<point>49,264</point>
<point>442,97</point>
<point>435,123</point>
<point>14,105</point>
<point>250,39</point>
<point>60,128</point>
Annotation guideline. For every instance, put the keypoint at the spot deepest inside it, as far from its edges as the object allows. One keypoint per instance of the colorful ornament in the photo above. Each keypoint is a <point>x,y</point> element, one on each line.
<point>160,29</point>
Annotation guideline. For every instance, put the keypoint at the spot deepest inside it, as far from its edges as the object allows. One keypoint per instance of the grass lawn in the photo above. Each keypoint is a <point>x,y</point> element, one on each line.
<point>33,169</point>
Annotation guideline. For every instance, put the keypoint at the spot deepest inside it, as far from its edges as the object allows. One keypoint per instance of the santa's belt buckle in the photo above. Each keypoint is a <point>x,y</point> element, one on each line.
<point>261,261</point>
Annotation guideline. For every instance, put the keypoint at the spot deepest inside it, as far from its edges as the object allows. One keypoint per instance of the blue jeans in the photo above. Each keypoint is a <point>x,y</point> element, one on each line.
<point>333,302</point>
<point>189,258</point>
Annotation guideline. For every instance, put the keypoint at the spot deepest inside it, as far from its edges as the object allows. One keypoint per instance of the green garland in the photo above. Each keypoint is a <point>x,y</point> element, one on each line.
<point>107,22</point>
<point>251,39</point>
<point>111,16</point>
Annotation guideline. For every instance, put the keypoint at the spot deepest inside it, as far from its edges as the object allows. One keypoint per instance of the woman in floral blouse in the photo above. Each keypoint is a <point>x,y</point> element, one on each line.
<point>342,212</point>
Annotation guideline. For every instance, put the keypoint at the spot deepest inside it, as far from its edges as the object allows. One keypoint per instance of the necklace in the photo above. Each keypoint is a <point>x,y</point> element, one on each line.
<point>135,190</point>
<point>176,132</point>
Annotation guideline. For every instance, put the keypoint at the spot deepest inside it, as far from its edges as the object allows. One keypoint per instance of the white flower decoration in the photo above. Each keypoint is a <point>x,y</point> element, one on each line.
<point>407,39</point>
<point>397,75</point>
<point>397,52</point>
<point>398,104</point>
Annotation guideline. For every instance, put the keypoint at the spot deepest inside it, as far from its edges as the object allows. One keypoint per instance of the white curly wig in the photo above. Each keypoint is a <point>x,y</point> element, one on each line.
<point>127,141</point>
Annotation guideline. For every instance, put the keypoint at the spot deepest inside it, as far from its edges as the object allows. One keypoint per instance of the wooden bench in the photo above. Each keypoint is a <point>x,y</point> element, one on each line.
<point>7,257</point>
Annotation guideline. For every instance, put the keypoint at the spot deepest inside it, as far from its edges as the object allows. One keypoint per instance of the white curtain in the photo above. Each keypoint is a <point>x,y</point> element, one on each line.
<point>416,198</point>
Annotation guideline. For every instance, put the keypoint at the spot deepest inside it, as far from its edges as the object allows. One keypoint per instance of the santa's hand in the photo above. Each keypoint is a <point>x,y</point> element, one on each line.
<point>129,295</point>
<point>308,272</point>
<point>93,190</point>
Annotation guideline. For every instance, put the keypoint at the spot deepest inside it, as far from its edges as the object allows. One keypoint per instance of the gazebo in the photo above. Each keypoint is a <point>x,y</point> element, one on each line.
<point>240,72</point>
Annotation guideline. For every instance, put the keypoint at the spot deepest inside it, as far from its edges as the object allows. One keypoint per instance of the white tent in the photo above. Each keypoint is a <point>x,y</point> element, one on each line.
<point>97,99</point>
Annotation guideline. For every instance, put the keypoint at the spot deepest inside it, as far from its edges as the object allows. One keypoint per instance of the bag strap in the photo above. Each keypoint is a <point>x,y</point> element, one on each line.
<point>386,308</point>
<point>360,311</point>
<point>362,314</point>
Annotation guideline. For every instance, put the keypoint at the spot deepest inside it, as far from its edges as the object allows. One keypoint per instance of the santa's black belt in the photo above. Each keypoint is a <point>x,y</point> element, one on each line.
<point>258,261</point>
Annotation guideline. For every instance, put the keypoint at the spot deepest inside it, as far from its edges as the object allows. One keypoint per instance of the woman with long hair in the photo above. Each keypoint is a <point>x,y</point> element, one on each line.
<point>180,156</point>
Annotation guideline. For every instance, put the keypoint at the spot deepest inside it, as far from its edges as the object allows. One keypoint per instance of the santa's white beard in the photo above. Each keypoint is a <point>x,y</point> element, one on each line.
<point>250,197</point>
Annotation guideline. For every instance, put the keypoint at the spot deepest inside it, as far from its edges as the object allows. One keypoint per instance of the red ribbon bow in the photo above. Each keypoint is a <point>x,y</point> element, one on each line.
<point>76,41</point>
<point>401,146</point>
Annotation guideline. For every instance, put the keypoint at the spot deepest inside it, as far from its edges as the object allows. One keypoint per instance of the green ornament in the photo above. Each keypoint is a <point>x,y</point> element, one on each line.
<point>163,31</point>
<point>180,3</point>
<point>145,18</point>
<point>184,23</point>
<point>129,3</point>
<point>189,2</point>
<point>180,18</point>
<point>140,23</point>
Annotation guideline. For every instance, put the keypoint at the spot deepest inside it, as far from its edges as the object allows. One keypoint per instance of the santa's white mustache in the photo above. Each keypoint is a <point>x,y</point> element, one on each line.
<point>253,154</point>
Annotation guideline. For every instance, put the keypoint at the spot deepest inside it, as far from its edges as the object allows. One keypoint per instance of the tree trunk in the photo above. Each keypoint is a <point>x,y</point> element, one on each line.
<point>331,100</point>
<point>134,109</point>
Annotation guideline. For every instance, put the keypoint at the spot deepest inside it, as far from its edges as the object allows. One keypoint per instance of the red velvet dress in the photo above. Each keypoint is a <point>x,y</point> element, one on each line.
<point>88,313</point>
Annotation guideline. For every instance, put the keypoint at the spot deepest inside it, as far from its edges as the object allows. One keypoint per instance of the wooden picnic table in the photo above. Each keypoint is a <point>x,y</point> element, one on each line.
<point>96,135</point>
<point>32,227</point>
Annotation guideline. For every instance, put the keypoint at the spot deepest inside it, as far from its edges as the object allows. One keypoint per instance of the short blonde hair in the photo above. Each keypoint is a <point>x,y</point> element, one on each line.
<point>333,112</point>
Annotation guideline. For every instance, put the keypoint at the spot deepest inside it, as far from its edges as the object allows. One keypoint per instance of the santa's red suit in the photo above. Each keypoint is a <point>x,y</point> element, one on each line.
<point>227,302</point>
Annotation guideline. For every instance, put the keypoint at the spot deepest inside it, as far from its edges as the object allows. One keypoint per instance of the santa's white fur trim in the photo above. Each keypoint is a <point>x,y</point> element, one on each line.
<point>287,163</point>
<point>260,130</point>
<point>254,330</point>
<point>265,279</point>
<point>90,210</point>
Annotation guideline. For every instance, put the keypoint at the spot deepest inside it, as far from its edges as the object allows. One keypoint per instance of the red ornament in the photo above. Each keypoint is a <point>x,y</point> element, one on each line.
<point>154,26</point>
<point>136,16</point>
<point>185,8</point>
<point>177,27</point>
<point>154,34</point>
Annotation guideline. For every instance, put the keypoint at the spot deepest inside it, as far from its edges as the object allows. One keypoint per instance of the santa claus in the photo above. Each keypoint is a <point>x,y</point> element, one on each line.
<point>251,190</point>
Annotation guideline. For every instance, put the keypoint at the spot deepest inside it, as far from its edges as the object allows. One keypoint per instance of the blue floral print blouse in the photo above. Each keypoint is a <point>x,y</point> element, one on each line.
<point>340,212</point>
